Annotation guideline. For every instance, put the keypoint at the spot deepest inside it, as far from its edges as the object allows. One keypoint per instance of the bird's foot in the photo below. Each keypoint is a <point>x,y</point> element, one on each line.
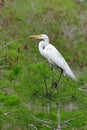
<point>56,85</point>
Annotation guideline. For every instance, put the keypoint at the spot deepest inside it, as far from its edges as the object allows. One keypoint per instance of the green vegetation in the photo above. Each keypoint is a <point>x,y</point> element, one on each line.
<point>24,104</point>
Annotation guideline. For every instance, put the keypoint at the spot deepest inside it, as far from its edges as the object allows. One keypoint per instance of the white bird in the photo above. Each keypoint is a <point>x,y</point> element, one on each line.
<point>53,56</point>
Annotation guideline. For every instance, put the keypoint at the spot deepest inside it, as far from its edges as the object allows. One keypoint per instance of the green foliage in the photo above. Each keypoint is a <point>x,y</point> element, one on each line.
<point>24,74</point>
<point>2,97</point>
<point>12,100</point>
<point>9,100</point>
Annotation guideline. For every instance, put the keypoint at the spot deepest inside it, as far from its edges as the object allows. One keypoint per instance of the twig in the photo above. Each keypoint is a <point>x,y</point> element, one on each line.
<point>59,122</point>
<point>74,118</point>
<point>47,126</point>
<point>82,89</point>
<point>46,99</point>
<point>42,120</point>
<point>32,125</point>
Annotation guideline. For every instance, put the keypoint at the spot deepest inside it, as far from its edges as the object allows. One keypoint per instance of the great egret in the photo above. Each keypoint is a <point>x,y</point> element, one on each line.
<point>53,56</point>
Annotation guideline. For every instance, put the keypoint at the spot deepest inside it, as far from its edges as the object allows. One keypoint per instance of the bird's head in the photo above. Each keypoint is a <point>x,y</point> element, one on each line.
<point>42,36</point>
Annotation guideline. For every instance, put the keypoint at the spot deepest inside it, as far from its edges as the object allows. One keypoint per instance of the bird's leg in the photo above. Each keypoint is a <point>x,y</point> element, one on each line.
<point>52,75</point>
<point>56,83</point>
<point>46,87</point>
<point>60,76</point>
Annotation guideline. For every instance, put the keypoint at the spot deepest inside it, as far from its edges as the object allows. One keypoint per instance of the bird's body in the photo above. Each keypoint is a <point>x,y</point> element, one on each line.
<point>53,56</point>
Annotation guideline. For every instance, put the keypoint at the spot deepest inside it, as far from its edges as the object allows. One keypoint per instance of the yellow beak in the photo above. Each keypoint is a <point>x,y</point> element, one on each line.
<point>35,36</point>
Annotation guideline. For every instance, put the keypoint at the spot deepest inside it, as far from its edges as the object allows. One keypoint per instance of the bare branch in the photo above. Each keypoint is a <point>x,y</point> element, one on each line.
<point>32,125</point>
<point>84,88</point>
<point>42,120</point>
<point>74,118</point>
<point>59,122</point>
<point>46,99</point>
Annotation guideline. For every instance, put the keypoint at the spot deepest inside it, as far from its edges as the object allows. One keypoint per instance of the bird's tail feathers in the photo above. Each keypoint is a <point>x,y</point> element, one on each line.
<point>70,74</point>
<point>73,76</point>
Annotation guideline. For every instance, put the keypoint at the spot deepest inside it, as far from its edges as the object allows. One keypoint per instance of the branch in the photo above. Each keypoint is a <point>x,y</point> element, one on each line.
<point>74,118</point>
<point>83,89</point>
<point>42,120</point>
<point>32,125</point>
<point>46,99</point>
<point>59,122</point>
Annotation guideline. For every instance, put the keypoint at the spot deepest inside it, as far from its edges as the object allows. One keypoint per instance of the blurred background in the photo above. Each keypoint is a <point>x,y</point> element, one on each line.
<point>23,72</point>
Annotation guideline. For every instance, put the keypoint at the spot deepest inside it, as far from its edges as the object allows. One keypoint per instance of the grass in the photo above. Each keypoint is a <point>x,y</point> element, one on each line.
<point>24,104</point>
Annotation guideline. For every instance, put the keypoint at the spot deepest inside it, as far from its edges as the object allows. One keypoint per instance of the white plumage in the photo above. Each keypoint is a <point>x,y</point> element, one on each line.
<point>53,56</point>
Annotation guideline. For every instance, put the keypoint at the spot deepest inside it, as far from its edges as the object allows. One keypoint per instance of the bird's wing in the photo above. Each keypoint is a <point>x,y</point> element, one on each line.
<point>55,58</point>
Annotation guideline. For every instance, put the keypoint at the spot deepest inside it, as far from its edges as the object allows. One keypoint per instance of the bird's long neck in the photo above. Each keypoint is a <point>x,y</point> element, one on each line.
<point>42,46</point>
<point>46,40</point>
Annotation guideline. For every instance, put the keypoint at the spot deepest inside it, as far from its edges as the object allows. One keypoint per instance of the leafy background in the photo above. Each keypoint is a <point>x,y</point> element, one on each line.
<point>24,104</point>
